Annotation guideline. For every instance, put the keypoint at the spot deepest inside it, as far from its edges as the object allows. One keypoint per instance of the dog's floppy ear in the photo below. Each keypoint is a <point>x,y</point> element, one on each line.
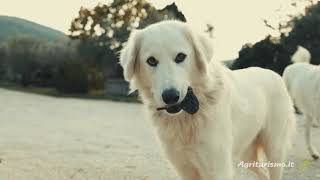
<point>203,50</point>
<point>129,55</point>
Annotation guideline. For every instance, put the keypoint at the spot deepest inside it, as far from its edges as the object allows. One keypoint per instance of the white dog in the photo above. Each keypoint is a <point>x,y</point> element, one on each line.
<point>208,118</point>
<point>303,83</point>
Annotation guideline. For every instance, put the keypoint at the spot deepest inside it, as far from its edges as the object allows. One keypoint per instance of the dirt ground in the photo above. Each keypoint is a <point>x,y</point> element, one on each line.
<point>45,138</point>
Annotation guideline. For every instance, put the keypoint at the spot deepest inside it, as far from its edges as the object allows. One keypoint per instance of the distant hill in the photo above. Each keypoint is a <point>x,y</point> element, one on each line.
<point>11,27</point>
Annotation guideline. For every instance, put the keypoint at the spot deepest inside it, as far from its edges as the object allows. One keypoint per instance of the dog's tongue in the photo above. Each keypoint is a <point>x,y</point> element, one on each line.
<point>190,104</point>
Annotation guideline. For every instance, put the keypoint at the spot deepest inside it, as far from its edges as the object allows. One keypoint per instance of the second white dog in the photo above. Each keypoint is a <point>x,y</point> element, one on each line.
<point>303,83</point>
<point>240,114</point>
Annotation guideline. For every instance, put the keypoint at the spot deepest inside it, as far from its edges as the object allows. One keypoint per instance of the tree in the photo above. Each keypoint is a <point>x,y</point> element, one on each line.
<point>103,29</point>
<point>33,61</point>
<point>23,57</point>
<point>266,54</point>
<point>3,55</point>
<point>107,22</point>
<point>111,23</point>
<point>306,32</point>
<point>275,52</point>
<point>72,77</point>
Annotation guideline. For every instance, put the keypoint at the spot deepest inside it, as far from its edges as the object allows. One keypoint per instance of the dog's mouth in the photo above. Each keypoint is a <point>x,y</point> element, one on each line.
<point>189,104</point>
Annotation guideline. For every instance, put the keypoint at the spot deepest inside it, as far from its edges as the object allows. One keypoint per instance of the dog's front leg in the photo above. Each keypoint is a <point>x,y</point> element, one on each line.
<point>202,162</point>
<point>215,160</point>
<point>207,159</point>
<point>215,149</point>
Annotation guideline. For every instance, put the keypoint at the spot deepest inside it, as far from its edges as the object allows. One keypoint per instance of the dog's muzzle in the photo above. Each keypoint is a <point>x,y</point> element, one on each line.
<point>189,104</point>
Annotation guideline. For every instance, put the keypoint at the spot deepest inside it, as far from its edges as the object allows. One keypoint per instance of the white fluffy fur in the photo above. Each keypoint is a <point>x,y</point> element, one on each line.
<point>303,83</point>
<point>302,55</point>
<point>242,113</point>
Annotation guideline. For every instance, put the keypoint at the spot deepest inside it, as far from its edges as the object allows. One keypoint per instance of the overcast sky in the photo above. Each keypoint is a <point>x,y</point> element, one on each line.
<point>236,22</point>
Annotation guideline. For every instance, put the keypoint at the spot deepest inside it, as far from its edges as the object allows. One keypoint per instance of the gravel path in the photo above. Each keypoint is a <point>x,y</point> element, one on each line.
<point>44,138</point>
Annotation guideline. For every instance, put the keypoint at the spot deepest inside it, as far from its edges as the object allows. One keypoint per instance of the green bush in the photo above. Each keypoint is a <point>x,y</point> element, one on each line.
<point>72,77</point>
<point>96,79</point>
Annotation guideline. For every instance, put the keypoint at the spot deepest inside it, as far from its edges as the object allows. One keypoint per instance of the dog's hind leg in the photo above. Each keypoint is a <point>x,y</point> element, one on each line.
<point>311,148</point>
<point>252,156</point>
<point>276,141</point>
<point>276,153</point>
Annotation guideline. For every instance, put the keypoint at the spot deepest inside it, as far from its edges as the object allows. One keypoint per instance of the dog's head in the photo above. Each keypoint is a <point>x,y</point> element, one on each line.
<point>163,61</point>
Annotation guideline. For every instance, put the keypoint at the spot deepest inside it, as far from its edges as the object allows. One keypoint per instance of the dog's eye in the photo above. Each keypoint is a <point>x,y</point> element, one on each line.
<point>180,58</point>
<point>152,61</point>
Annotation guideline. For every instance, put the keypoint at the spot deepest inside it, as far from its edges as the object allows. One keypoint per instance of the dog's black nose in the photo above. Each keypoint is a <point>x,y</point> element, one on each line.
<point>170,96</point>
